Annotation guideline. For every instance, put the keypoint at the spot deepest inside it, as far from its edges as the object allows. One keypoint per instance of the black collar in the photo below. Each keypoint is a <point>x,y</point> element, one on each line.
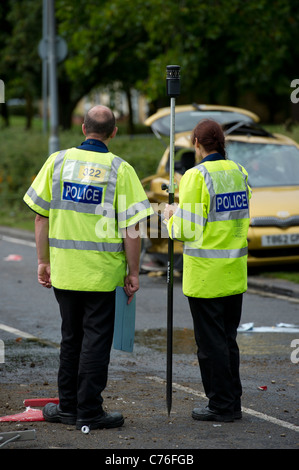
<point>94,145</point>
<point>213,157</point>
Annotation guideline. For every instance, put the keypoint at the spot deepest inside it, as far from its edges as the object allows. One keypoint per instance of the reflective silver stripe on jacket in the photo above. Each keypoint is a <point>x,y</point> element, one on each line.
<point>214,216</point>
<point>132,210</point>
<point>57,203</point>
<point>206,253</point>
<point>245,182</point>
<point>190,216</point>
<point>37,199</point>
<point>85,245</point>
<point>56,193</point>
<point>111,185</point>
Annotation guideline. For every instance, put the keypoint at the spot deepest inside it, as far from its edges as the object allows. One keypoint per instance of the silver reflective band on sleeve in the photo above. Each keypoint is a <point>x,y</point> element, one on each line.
<point>37,199</point>
<point>85,245</point>
<point>206,253</point>
<point>131,211</point>
<point>190,216</point>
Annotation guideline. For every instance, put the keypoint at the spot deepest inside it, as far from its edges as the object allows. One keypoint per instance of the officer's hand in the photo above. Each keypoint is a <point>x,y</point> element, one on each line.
<point>44,275</point>
<point>169,210</point>
<point>131,286</point>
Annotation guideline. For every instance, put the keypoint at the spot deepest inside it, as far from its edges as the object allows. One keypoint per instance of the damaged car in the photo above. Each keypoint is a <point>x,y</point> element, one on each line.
<point>272,163</point>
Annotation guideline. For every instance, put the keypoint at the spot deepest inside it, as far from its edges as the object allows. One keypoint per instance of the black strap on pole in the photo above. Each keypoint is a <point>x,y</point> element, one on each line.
<point>173,90</point>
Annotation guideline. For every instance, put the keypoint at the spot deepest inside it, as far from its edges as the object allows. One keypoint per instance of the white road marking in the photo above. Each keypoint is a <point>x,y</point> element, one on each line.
<point>257,414</point>
<point>23,334</point>
<point>19,241</point>
<point>272,294</point>
<point>17,332</point>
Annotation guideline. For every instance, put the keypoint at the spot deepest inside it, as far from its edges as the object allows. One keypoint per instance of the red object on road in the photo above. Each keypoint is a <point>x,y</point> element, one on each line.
<point>40,401</point>
<point>13,258</point>
<point>30,414</point>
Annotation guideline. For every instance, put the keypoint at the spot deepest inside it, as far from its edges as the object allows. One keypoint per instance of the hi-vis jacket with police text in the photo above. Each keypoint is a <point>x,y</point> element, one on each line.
<point>89,196</point>
<point>212,220</point>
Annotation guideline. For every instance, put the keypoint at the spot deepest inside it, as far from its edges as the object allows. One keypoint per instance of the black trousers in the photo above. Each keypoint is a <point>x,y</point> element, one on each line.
<point>215,327</point>
<point>87,332</point>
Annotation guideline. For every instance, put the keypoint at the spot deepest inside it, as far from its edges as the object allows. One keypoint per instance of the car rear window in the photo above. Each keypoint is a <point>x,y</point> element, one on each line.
<point>187,120</point>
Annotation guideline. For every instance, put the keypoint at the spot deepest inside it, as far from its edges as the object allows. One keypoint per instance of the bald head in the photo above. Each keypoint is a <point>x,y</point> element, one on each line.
<point>99,122</point>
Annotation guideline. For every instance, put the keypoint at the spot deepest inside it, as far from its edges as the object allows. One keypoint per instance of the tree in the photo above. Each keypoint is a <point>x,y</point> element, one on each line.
<point>225,48</point>
<point>104,44</point>
<point>20,61</point>
<point>5,31</point>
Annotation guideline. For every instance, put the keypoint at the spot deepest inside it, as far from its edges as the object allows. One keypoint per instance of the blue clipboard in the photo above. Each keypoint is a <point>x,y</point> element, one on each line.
<point>124,324</point>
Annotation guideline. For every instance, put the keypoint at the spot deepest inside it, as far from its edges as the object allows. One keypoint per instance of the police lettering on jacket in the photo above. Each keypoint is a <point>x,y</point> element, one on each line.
<point>231,201</point>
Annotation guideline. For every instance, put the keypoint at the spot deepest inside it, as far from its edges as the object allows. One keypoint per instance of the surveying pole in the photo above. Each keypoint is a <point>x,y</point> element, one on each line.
<point>173,90</point>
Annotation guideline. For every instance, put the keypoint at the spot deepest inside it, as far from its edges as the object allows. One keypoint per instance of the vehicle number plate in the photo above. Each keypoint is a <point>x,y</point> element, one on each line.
<point>279,240</point>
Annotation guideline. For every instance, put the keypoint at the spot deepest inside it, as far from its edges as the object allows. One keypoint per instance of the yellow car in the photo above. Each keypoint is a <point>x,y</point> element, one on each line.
<point>272,162</point>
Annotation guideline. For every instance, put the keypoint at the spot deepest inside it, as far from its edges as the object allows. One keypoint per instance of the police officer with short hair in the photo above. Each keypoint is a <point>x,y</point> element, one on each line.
<point>89,203</point>
<point>212,220</point>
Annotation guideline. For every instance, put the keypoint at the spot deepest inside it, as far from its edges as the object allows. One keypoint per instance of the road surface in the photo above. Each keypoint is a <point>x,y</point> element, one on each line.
<point>30,336</point>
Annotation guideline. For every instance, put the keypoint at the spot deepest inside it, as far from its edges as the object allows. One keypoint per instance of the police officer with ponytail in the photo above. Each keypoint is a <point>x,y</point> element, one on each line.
<point>212,220</point>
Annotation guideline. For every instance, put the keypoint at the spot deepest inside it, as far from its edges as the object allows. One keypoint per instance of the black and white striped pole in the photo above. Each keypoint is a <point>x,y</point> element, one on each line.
<point>173,90</point>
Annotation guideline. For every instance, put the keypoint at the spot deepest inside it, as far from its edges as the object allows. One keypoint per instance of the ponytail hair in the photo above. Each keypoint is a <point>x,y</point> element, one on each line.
<point>210,135</point>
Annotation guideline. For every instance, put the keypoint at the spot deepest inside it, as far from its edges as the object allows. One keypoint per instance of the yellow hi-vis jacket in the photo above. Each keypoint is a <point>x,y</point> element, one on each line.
<point>213,219</point>
<point>89,196</point>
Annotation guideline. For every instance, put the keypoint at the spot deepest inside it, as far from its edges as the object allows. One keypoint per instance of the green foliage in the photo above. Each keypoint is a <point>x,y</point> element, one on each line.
<point>225,48</point>
<point>24,152</point>
<point>20,63</point>
<point>142,152</point>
